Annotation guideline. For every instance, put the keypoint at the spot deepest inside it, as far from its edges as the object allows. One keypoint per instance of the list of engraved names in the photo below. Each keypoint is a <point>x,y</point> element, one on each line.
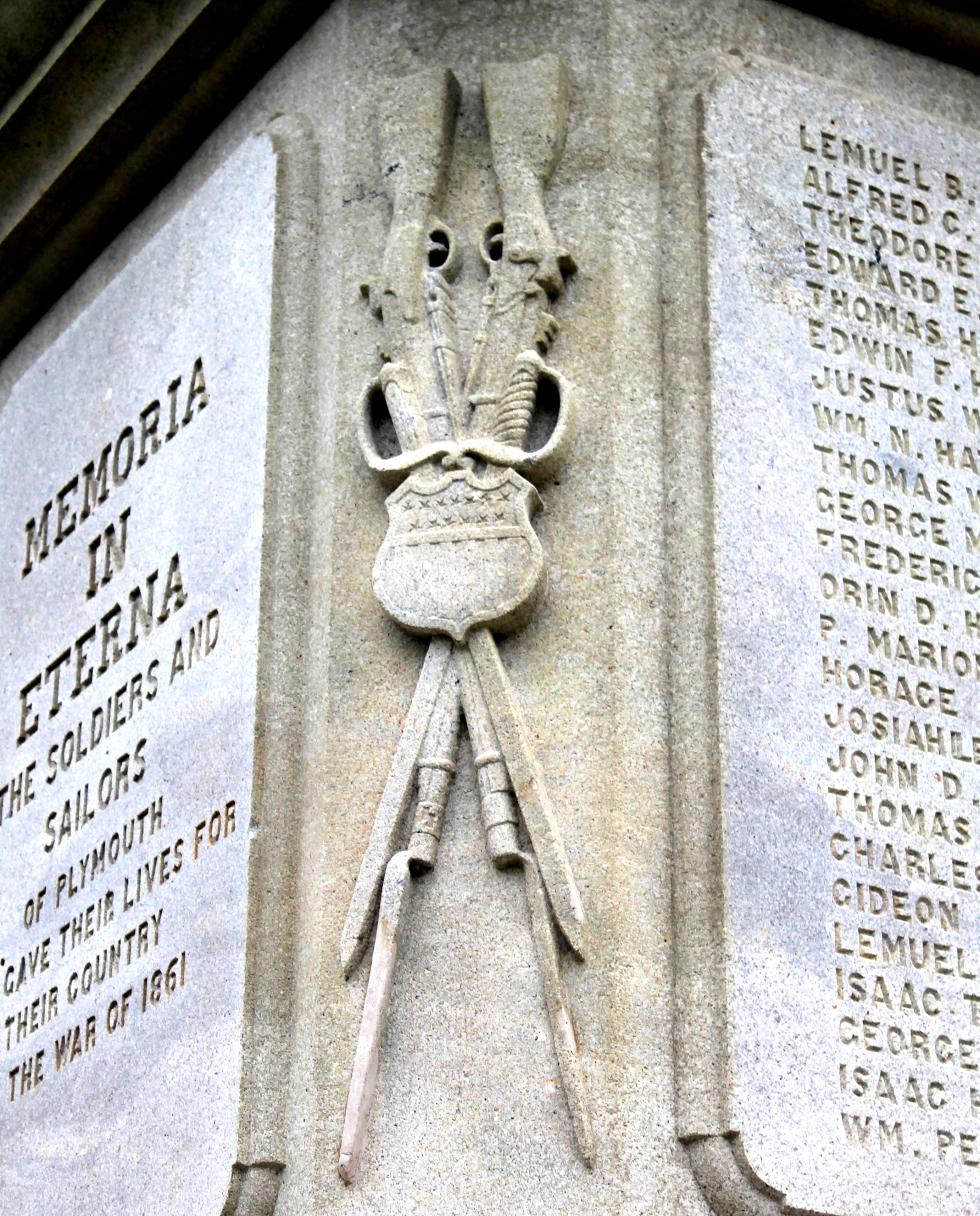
<point>892,308</point>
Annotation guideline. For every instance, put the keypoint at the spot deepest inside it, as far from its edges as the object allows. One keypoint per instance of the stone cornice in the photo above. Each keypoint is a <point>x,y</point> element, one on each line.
<point>107,116</point>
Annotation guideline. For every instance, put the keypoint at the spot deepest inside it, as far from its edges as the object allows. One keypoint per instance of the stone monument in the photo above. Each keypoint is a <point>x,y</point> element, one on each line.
<point>490,609</point>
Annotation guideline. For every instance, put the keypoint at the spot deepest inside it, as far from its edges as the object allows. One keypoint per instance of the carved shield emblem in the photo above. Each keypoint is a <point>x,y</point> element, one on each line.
<point>460,552</point>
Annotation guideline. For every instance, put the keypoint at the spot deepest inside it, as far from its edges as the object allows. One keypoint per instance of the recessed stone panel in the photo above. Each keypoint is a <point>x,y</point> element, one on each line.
<point>841,424</point>
<point>132,460</point>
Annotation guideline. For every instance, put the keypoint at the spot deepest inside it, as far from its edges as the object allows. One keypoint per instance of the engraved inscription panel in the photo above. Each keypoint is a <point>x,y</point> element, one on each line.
<point>131,465</point>
<point>844,313</point>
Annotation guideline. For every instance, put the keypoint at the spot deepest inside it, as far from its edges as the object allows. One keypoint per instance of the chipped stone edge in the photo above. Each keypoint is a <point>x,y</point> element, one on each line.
<point>703,1079</point>
<point>283,642</point>
<point>253,1190</point>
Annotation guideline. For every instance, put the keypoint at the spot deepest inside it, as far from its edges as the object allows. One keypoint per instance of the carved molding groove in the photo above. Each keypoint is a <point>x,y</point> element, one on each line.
<point>702,1077</point>
<point>461,561</point>
<point>254,1190</point>
<point>270,932</point>
<point>728,1181</point>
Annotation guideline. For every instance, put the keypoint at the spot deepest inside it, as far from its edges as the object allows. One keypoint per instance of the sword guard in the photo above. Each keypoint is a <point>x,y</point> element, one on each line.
<point>394,387</point>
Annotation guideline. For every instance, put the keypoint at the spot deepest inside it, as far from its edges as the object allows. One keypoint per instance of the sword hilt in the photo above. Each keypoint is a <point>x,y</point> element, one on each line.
<point>445,414</point>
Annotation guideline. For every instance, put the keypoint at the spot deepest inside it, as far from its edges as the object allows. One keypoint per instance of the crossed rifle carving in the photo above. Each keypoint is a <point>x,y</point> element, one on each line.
<point>461,560</point>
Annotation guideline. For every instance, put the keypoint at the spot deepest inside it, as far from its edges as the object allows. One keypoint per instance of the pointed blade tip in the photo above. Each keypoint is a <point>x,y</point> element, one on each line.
<point>573,931</point>
<point>347,1168</point>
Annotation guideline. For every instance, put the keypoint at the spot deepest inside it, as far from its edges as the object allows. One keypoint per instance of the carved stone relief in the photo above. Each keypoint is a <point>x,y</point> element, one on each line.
<point>461,561</point>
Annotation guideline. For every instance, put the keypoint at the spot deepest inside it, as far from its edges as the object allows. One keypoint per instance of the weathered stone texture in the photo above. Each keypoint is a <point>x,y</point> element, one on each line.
<point>838,271</point>
<point>677,557</point>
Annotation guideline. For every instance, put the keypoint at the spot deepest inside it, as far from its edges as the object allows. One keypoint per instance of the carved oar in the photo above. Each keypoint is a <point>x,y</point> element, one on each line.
<point>436,765</point>
<point>394,897</point>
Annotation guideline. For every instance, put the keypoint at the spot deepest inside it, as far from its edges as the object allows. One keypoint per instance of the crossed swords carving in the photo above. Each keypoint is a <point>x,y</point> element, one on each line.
<point>461,560</point>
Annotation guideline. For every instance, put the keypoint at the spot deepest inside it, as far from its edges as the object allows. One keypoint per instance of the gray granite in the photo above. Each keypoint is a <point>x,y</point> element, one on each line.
<point>471,1114</point>
<point>842,441</point>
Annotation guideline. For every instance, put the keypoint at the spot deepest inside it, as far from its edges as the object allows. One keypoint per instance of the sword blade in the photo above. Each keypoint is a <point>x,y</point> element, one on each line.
<point>529,787</point>
<point>389,821</point>
<point>394,896</point>
<point>563,1031</point>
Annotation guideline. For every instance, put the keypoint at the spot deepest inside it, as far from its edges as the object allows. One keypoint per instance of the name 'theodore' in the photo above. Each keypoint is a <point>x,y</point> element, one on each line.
<point>100,647</point>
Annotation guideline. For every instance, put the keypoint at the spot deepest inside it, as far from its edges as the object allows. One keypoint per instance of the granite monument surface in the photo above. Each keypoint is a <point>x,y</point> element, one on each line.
<point>489,610</point>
